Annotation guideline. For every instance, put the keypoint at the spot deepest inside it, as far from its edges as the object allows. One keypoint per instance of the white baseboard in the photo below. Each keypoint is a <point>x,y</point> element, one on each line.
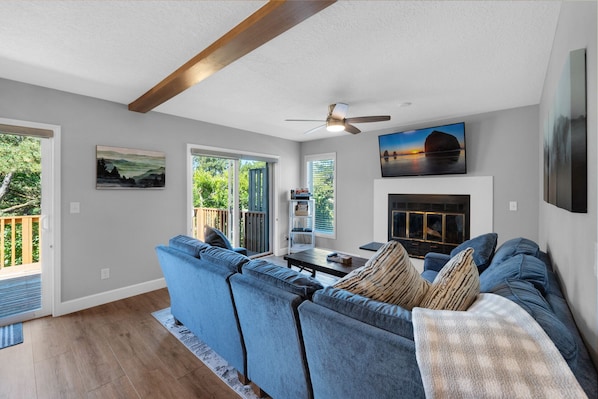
<point>281,251</point>
<point>87,302</point>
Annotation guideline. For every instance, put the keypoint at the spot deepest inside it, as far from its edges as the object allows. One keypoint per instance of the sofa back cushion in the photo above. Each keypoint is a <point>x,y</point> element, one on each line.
<point>483,249</point>
<point>529,298</point>
<point>282,277</point>
<point>224,258</point>
<point>515,246</point>
<point>189,245</point>
<point>523,267</point>
<point>389,276</point>
<point>392,318</point>
<point>456,286</point>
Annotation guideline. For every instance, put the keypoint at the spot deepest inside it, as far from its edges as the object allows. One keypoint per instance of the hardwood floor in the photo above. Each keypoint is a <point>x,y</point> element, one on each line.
<point>117,350</point>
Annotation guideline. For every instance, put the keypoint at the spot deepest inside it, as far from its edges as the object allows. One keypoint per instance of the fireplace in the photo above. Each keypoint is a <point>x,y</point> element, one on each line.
<point>425,223</point>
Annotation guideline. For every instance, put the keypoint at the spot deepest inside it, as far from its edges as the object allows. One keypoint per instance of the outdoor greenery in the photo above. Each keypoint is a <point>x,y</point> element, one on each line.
<point>322,187</point>
<point>20,190</point>
<point>210,182</point>
<point>20,171</point>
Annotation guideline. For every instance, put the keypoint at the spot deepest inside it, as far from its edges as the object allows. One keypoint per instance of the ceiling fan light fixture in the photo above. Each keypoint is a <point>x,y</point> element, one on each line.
<point>333,125</point>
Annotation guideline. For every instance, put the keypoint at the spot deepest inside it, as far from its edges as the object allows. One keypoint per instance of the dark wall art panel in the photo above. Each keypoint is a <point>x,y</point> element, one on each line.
<point>565,139</point>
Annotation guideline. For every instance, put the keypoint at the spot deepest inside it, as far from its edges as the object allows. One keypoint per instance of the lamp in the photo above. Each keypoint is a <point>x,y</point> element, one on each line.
<point>335,125</point>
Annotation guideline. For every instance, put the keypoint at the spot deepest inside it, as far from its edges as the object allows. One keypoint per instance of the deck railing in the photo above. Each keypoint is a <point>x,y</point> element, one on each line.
<point>19,240</point>
<point>253,234</point>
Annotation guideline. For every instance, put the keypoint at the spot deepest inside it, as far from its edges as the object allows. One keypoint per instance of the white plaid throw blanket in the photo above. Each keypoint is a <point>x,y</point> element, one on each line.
<point>493,350</point>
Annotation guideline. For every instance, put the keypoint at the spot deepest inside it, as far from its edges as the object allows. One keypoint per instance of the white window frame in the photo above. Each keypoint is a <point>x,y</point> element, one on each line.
<point>321,157</point>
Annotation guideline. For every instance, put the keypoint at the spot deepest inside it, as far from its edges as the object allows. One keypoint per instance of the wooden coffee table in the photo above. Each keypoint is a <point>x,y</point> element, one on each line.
<point>315,260</point>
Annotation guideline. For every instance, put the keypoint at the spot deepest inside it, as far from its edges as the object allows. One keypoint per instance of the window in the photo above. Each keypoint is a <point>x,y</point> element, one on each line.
<point>321,181</point>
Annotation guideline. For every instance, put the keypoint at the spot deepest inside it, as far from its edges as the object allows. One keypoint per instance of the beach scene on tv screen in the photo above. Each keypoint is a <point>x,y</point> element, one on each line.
<point>431,151</point>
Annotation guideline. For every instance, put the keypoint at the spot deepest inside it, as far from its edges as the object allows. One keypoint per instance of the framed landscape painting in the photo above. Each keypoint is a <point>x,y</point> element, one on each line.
<point>119,168</point>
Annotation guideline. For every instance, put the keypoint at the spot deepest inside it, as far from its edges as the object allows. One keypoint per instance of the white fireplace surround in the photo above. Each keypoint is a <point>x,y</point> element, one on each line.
<point>480,189</point>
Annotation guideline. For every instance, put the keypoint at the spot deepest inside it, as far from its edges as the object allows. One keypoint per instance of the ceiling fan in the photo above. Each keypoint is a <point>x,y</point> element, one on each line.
<point>336,121</point>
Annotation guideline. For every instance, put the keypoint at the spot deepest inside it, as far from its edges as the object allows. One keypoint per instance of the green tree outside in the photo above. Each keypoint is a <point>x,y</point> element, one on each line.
<point>211,178</point>
<point>20,189</point>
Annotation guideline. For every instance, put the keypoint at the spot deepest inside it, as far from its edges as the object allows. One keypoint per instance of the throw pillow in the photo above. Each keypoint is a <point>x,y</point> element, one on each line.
<point>215,238</point>
<point>483,249</point>
<point>389,276</point>
<point>456,286</point>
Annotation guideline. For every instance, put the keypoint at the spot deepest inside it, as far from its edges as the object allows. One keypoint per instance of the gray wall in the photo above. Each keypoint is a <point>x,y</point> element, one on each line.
<point>119,229</point>
<point>502,144</point>
<point>571,239</point>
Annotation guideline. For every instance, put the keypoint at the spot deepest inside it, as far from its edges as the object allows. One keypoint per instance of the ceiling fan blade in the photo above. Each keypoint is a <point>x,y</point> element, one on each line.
<point>274,18</point>
<point>314,129</point>
<point>364,119</point>
<point>304,120</point>
<point>351,129</point>
<point>338,110</point>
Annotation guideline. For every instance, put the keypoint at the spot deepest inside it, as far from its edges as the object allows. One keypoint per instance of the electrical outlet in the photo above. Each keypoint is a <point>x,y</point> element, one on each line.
<point>513,205</point>
<point>105,273</point>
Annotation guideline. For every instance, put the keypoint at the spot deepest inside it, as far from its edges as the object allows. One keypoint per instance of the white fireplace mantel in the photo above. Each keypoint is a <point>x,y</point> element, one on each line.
<point>480,189</point>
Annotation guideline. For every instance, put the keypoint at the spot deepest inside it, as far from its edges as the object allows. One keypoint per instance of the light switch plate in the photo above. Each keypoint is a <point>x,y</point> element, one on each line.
<point>75,207</point>
<point>512,205</point>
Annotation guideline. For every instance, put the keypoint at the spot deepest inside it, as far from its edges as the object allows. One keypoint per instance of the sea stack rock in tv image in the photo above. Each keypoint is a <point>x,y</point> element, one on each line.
<point>431,151</point>
<point>129,168</point>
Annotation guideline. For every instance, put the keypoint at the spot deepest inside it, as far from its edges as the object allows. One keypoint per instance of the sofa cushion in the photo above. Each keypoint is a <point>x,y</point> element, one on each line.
<point>189,245</point>
<point>216,238</point>
<point>515,246</point>
<point>282,277</point>
<point>389,276</point>
<point>456,286</point>
<point>225,258</point>
<point>529,298</point>
<point>523,267</point>
<point>430,275</point>
<point>483,249</point>
<point>392,318</point>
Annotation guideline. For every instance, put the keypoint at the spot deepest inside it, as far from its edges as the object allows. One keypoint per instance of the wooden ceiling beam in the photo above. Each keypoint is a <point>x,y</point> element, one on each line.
<point>274,18</point>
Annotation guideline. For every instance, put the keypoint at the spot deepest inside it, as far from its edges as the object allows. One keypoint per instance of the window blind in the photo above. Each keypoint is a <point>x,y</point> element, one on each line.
<point>321,175</point>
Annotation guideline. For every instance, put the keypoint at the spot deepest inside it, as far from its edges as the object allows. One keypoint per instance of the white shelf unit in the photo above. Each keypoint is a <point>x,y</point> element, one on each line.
<point>301,225</point>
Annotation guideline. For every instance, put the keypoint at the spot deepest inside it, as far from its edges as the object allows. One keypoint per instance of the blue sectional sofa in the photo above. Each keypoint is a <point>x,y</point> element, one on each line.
<point>296,339</point>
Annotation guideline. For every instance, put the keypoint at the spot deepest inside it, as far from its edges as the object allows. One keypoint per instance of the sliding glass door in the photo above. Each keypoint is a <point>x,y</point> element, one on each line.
<point>231,192</point>
<point>27,198</point>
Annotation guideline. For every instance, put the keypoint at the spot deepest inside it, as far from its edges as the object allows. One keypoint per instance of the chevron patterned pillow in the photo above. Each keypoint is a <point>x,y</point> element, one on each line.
<point>389,276</point>
<point>456,286</point>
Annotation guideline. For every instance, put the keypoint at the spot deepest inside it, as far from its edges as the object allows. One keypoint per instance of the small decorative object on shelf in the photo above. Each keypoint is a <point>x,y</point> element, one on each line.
<point>301,225</point>
<point>300,193</point>
<point>302,208</point>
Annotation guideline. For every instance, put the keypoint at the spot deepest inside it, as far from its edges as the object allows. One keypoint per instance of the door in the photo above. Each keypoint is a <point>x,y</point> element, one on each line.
<point>26,219</point>
<point>231,192</point>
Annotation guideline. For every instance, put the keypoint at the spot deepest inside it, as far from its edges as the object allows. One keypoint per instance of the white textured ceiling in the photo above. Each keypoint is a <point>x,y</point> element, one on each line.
<point>448,58</point>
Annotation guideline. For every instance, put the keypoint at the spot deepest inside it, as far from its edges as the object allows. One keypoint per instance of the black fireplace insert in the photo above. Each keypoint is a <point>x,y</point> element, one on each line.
<point>425,223</point>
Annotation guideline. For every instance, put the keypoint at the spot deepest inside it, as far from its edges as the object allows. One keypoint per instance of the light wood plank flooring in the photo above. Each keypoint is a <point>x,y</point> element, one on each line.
<point>117,350</point>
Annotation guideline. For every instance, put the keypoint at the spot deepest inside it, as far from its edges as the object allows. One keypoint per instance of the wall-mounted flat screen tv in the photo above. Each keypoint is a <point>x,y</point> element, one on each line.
<point>438,150</point>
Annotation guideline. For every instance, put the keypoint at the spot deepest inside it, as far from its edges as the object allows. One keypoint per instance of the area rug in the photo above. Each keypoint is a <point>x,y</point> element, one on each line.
<point>204,353</point>
<point>11,335</point>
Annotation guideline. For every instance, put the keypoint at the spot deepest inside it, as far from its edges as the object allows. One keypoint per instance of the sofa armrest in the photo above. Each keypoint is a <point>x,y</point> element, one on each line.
<point>435,261</point>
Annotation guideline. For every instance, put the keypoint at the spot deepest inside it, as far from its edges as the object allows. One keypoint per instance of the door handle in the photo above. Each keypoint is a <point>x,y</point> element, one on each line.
<point>45,223</point>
